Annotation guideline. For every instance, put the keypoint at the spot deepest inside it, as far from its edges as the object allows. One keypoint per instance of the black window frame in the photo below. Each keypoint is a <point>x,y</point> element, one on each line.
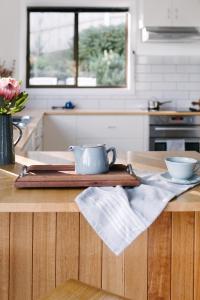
<point>76,11</point>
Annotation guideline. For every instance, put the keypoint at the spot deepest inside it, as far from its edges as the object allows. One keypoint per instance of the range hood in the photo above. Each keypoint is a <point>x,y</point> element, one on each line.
<point>170,34</point>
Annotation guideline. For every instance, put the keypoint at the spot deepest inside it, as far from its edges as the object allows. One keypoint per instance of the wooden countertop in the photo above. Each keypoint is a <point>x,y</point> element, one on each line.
<point>62,200</point>
<point>127,111</point>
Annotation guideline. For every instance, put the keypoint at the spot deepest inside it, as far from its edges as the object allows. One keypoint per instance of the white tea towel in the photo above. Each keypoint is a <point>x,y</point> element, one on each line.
<point>119,215</point>
<point>176,145</point>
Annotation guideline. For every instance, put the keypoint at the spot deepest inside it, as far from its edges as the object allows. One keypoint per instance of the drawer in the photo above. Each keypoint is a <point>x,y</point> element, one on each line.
<point>110,126</point>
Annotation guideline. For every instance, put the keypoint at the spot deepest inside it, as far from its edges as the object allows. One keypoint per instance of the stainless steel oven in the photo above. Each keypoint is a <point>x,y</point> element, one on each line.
<point>173,128</point>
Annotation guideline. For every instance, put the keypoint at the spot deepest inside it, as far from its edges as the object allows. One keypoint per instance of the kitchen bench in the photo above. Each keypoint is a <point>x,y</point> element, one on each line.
<point>44,241</point>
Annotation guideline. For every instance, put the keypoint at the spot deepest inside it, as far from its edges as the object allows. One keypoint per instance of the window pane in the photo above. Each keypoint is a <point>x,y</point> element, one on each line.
<point>51,58</point>
<point>102,49</point>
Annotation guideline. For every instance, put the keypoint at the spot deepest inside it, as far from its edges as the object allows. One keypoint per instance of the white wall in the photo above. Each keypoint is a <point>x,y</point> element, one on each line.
<point>165,71</point>
<point>9,32</point>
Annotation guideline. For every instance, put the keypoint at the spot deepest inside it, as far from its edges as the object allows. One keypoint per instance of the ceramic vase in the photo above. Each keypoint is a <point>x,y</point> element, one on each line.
<point>7,145</point>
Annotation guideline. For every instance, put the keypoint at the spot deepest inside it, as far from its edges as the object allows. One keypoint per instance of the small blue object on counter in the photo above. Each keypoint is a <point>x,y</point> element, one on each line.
<point>68,105</point>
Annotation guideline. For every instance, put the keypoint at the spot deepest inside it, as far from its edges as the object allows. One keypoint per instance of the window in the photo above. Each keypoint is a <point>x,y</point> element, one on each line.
<point>77,47</point>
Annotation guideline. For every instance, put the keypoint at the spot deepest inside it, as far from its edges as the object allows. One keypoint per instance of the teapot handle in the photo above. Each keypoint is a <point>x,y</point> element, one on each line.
<point>20,134</point>
<point>114,155</point>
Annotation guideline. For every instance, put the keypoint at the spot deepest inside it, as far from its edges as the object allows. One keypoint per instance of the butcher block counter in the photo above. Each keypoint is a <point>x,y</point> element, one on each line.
<point>44,240</point>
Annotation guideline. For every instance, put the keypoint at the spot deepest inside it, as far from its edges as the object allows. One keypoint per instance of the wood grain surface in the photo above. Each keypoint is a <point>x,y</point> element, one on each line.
<point>90,260</point>
<point>135,269</point>
<point>76,290</point>
<point>4,255</point>
<point>20,256</point>
<point>159,258</point>
<point>44,256</point>
<point>182,273</point>
<point>67,247</point>
<point>42,250</point>
<point>197,257</point>
<point>112,277</point>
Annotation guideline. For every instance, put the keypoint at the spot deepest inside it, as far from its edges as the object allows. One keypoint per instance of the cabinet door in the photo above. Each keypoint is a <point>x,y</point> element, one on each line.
<point>59,132</point>
<point>123,132</point>
<point>157,12</point>
<point>186,13</point>
<point>109,126</point>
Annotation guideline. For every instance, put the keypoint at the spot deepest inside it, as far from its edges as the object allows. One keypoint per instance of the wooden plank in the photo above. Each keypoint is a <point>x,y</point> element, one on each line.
<point>112,272</point>
<point>197,257</point>
<point>76,290</point>
<point>44,239</point>
<point>90,255</point>
<point>21,256</point>
<point>135,269</point>
<point>182,277</point>
<point>67,247</point>
<point>159,258</point>
<point>4,256</point>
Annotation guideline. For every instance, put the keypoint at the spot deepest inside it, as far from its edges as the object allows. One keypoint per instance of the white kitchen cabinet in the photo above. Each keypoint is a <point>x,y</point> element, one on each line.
<point>186,12</point>
<point>125,132</point>
<point>157,12</point>
<point>180,13</point>
<point>59,132</point>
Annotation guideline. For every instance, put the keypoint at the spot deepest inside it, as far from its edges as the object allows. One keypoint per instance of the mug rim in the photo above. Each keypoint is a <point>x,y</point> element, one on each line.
<point>182,160</point>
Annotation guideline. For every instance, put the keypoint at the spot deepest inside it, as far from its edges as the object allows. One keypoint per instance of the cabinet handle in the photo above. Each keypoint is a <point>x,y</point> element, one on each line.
<point>111,127</point>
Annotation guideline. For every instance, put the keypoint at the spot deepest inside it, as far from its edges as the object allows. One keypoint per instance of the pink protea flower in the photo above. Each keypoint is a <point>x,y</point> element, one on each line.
<point>9,88</point>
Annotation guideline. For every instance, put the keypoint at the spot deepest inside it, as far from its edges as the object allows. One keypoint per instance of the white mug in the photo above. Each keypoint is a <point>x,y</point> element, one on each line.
<point>182,167</point>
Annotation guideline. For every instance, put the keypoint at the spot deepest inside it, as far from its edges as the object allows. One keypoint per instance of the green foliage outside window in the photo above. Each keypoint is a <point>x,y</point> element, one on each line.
<point>102,55</point>
<point>102,52</point>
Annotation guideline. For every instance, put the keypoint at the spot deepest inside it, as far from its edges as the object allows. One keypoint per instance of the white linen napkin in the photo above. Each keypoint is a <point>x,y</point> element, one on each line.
<point>119,215</point>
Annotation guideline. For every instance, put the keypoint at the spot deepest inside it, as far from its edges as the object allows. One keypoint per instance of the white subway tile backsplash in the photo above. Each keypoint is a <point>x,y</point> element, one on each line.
<point>194,60</point>
<point>194,95</point>
<point>175,60</point>
<point>36,103</point>
<point>105,104</point>
<point>181,104</point>
<point>163,68</point>
<point>143,86</point>
<point>148,94</point>
<point>149,77</point>
<point>143,69</point>
<point>163,86</point>
<point>175,77</point>
<point>175,95</point>
<point>149,60</point>
<point>189,86</point>
<point>188,68</point>
<point>194,77</point>
<point>136,104</point>
<point>171,77</point>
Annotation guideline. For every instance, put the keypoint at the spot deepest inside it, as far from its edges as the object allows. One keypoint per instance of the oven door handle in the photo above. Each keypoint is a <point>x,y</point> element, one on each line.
<point>177,128</point>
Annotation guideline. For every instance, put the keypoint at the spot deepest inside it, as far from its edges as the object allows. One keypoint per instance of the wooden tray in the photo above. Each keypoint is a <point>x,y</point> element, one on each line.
<point>54,176</point>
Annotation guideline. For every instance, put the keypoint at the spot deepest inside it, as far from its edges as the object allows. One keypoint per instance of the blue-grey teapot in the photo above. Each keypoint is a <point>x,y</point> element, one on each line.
<point>92,159</point>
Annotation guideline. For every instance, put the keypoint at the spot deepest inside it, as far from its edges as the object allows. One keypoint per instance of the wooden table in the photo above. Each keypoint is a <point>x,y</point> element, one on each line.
<point>44,241</point>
